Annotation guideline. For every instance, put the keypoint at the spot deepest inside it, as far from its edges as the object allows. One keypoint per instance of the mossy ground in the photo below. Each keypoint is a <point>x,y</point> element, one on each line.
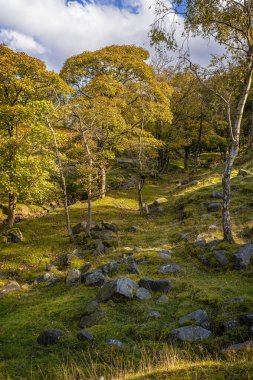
<point>24,314</point>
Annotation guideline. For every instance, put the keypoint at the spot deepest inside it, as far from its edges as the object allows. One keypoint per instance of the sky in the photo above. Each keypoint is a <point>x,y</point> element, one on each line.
<point>54,30</point>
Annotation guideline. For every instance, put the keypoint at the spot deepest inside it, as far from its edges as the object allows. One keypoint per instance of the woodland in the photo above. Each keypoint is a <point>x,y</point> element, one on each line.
<point>126,224</point>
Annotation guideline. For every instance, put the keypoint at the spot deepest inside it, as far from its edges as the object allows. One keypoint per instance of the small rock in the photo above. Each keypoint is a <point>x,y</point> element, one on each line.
<point>133,268</point>
<point>110,303</point>
<point>9,288</point>
<point>229,325</point>
<point>133,229</point>
<point>86,267</point>
<point>162,299</point>
<point>247,319</point>
<point>156,285</point>
<point>199,243</point>
<point>214,207</point>
<point>190,333</point>
<point>143,294</point>
<point>217,194</point>
<point>111,267</point>
<point>243,256</point>
<point>243,173</point>
<point>84,335</point>
<point>49,337</point>
<point>213,243</point>
<point>91,307</point>
<point>169,268</point>
<point>111,227</point>
<point>50,267</point>
<point>236,347</point>
<point>213,228</point>
<point>117,290</point>
<point>95,278</point>
<point>205,216</point>
<point>221,258</point>
<point>90,320</point>
<point>14,235</point>
<point>154,314</point>
<point>198,316</point>
<point>73,276</point>
<point>100,250</point>
<point>160,201</point>
<point>115,343</point>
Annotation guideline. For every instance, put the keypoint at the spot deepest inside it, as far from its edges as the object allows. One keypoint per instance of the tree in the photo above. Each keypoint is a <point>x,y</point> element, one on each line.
<point>26,160</point>
<point>230,24</point>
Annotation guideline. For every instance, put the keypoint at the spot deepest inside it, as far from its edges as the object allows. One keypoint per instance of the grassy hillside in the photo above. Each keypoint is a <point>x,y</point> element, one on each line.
<point>147,352</point>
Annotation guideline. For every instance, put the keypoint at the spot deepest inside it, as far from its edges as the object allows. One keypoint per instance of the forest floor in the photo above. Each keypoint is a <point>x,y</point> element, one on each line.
<point>147,353</point>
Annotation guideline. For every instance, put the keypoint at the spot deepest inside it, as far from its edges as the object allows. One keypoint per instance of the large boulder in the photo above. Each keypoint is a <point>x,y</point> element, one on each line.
<point>14,235</point>
<point>243,256</point>
<point>95,278</point>
<point>117,290</point>
<point>156,285</point>
<point>198,316</point>
<point>169,268</point>
<point>49,337</point>
<point>190,333</point>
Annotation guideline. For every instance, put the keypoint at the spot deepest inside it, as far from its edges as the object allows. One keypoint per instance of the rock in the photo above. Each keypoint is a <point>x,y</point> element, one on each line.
<point>49,337</point>
<point>162,299</point>
<point>169,268</point>
<point>217,194</point>
<point>214,207</point>
<point>91,307</point>
<point>111,227</point>
<point>111,267</point>
<point>212,244</point>
<point>110,303</point>
<point>198,316</point>
<point>78,228</point>
<point>73,276</point>
<point>154,314</point>
<point>50,267</point>
<point>14,235</point>
<point>183,182</point>
<point>100,250</point>
<point>204,260</point>
<point>221,258</point>
<point>243,256</point>
<point>205,216</point>
<point>163,253</point>
<point>117,290</point>
<point>247,319</point>
<point>95,278</point>
<point>86,267</point>
<point>202,236</point>
<point>243,173</point>
<point>156,285</point>
<point>213,228</point>
<point>9,288</point>
<point>133,268</point>
<point>239,346</point>
<point>199,243</point>
<point>190,333</point>
<point>49,277</point>
<point>90,320</point>
<point>115,343</point>
<point>229,325</point>
<point>238,299</point>
<point>84,335</point>
<point>133,229</point>
<point>143,294</point>
<point>160,201</point>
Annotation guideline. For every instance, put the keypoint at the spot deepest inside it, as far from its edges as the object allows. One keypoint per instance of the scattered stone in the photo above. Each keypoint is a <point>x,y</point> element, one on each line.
<point>9,288</point>
<point>162,299</point>
<point>190,333</point>
<point>243,173</point>
<point>163,253</point>
<point>169,268</point>
<point>243,256</point>
<point>202,236</point>
<point>221,258</point>
<point>90,320</point>
<point>133,268</point>
<point>86,267</point>
<point>199,243</point>
<point>143,294</point>
<point>50,277</point>
<point>213,228</point>
<point>156,285</point>
<point>214,207</point>
<point>212,244</point>
<point>247,319</point>
<point>91,307</point>
<point>14,235</point>
<point>133,229</point>
<point>198,316</point>
<point>111,227</point>
<point>78,228</point>
<point>154,314</point>
<point>115,343</point>
<point>84,335</point>
<point>229,325</point>
<point>217,194</point>
<point>117,290</point>
<point>95,278</point>
<point>100,250</point>
<point>49,337</point>
<point>111,267</point>
<point>73,276</point>
<point>236,347</point>
<point>205,216</point>
<point>127,260</point>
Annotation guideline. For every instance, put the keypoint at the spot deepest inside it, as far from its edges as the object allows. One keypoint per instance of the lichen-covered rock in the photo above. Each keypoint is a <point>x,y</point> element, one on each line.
<point>111,227</point>
<point>73,276</point>
<point>117,290</point>
<point>90,307</point>
<point>90,320</point>
<point>162,299</point>
<point>49,337</point>
<point>143,294</point>
<point>243,256</point>
<point>95,278</point>
<point>115,343</point>
<point>221,258</point>
<point>13,286</point>
<point>190,333</point>
<point>169,268</point>
<point>213,207</point>
<point>229,325</point>
<point>198,316</point>
<point>111,267</point>
<point>156,285</point>
<point>133,268</point>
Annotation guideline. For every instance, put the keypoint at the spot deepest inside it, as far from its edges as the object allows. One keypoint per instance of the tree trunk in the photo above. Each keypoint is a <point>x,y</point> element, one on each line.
<point>140,198</point>
<point>196,155</point>
<point>234,149</point>
<point>102,182</point>
<point>11,210</point>
<point>89,216</point>
<point>251,127</point>
<point>63,183</point>
<point>186,158</point>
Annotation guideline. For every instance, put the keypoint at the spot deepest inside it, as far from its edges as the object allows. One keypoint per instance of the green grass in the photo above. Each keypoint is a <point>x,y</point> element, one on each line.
<point>24,314</point>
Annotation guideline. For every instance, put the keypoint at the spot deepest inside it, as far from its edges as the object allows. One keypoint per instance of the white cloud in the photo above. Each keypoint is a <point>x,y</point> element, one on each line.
<point>53,31</point>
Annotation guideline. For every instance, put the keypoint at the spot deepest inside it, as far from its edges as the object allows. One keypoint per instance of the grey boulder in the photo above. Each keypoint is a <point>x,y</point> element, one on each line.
<point>156,285</point>
<point>213,207</point>
<point>73,276</point>
<point>84,336</point>
<point>198,316</point>
<point>243,256</point>
<point>117,290</point>
<point>95,278</point>
<point>143,294</point>
<point>90,320</point>
<point>49,337</point>
<point>190,333</point>
<point>169,268</point>
<point>239,346</point>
